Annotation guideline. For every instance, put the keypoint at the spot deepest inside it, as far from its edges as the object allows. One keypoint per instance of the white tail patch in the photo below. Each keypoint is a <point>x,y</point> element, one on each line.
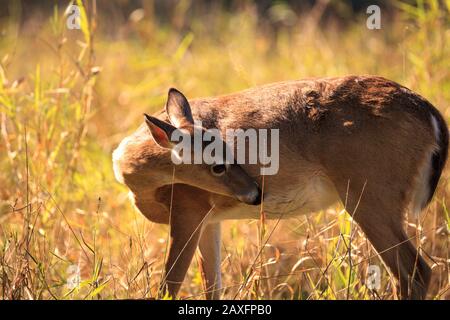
<point>422,190</point>
<point>436,130</point>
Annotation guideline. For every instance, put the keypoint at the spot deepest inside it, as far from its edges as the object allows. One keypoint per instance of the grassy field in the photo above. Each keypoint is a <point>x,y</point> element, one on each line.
<point>68,97</point>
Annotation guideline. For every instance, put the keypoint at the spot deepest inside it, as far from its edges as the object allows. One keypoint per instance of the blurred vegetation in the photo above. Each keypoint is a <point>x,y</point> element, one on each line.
<point>68,97</point>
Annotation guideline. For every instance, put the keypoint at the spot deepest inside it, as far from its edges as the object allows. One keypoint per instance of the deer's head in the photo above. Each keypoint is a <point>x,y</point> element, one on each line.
<point>220,177</point>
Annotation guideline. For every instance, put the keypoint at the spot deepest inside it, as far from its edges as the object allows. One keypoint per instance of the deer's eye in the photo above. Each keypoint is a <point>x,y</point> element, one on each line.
<point>218,169</point>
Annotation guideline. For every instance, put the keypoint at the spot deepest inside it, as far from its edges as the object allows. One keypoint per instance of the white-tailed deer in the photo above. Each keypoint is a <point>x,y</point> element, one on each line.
<point>362,140</point>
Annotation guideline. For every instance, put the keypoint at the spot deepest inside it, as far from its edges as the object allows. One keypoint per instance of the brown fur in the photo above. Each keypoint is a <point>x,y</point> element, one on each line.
<point>365,137</point>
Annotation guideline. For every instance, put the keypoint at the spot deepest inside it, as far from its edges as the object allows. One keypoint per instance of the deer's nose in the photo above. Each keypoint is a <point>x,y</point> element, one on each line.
<point>253,197</point>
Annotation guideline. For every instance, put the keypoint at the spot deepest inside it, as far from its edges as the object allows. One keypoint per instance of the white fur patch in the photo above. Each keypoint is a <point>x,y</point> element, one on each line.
<point>436,131</point>
<point>117,156</point>
<point>422,191</point>
<point>306,195</point>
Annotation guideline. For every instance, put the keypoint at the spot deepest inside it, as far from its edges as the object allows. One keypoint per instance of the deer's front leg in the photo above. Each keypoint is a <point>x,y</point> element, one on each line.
<point>210,260</point>
<point>190,210</point>
<point>184,233</point>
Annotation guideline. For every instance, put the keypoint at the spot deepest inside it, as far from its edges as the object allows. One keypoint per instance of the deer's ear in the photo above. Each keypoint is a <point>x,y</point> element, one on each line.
<point>161,131</point>
<point>178,109</point>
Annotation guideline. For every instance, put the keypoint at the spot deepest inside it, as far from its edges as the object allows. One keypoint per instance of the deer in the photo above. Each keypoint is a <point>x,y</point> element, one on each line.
<point>364,141</point>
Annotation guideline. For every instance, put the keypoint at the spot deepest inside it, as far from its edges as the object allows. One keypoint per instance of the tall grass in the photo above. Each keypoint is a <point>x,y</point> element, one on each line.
<point>67,98</point>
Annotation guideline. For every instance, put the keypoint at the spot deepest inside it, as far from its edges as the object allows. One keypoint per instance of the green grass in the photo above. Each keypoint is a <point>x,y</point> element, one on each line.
<point>68,97</point>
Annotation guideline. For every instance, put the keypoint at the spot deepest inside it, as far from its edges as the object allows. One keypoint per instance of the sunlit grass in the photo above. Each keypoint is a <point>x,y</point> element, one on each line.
<point>68,97</point>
